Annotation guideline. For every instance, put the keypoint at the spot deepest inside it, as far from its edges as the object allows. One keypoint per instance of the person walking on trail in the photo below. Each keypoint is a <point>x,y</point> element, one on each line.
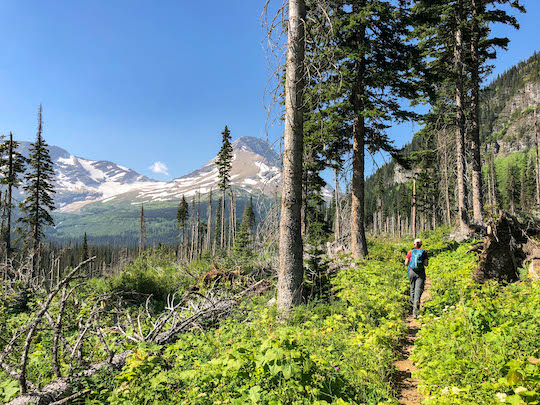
<point>416,262</point>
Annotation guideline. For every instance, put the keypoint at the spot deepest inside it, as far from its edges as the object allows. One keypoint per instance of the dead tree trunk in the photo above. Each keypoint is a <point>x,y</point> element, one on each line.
<point>291,269</point>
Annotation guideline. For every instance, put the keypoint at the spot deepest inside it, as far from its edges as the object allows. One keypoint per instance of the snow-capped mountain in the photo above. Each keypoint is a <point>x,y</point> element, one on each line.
<point>80,181</point>
<point>256,168</point>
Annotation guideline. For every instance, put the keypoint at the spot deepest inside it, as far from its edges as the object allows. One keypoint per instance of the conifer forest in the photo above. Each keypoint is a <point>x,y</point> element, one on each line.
<point>280,271</point>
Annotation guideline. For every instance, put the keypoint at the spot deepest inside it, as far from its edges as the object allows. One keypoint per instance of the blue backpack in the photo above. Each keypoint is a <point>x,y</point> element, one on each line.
<point>417,263</point>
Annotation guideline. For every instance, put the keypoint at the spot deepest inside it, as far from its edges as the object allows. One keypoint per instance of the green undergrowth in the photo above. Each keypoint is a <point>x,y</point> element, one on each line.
<point>478,343</point>
<point>338,351</point>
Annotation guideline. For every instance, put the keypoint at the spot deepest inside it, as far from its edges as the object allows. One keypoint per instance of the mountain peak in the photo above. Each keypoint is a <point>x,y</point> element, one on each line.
<point>255,145</point>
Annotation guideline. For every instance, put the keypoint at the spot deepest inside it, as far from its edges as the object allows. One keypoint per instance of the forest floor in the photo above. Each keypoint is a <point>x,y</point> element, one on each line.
<point>406,385</point>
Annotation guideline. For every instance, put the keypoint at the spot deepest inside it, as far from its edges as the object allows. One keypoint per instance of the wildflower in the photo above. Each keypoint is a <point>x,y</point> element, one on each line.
<point>445,391</point>
<point>456,390</point>
<point>520,389</point>
<point>501,396</point>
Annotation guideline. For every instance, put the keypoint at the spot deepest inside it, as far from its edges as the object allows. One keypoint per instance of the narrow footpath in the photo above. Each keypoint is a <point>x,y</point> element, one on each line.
<point>406,385</point>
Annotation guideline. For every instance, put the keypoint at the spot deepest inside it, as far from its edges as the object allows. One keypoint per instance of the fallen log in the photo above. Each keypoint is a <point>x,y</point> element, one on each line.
<point>210,308</point>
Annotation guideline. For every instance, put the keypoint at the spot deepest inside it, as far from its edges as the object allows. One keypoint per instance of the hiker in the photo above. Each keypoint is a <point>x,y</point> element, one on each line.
<point>416,262</point>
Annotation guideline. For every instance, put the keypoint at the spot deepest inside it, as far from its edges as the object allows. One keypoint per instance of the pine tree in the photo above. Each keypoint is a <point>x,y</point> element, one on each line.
<point>39,190</point>
<point>142,230</point>
<point>224,163</point>
<point>244,239</point>
<point>181,217</point>
<point>530,183</point>
<point>84,249</point>
<point>12,171</point>
<point>217,233</point>
<point>482,48</point>
<point>376,67</point>
<point>513,188</point>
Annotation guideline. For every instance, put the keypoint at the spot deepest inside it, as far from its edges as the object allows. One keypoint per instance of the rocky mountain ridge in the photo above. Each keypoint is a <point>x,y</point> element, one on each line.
<point>256,168</point>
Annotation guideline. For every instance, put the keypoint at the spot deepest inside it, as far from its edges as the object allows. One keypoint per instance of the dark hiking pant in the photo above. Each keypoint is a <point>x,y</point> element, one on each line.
<point>417,288</point>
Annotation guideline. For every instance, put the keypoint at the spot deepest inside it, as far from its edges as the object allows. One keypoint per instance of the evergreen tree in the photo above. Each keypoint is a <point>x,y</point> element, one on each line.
<point>224,163</point>
<point>12,171</point>
<point>482,48</point>
<point>142,230</point>
<point>376,67</point>
<point>84,249</point>
<point>244,238</point>
<point>529,183</point>
<point>217,233</point>
<point>181,217</point>
<point>513,188</point>
<point>39,190</point>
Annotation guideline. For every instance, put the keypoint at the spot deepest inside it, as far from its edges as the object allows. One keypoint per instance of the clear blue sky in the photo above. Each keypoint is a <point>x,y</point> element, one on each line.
<point>137,82</point>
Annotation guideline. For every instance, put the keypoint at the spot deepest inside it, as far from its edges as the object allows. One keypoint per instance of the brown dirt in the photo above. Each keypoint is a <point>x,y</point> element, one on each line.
<point>406,385</point>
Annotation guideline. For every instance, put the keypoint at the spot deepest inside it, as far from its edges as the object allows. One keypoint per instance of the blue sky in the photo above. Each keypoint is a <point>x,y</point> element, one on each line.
<point>138,82</point>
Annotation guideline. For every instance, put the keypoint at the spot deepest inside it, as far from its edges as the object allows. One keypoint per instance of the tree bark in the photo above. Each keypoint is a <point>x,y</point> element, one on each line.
<point>463,216</point>
<point>477,196</point>
<point>447,187</point>
<point>291,271</point>
<point>537,160</point>
<point>358,232</point>
<point>222,236</point>
<point>413,209</point>
<point>337,213</point>
<point>209,245</point>
<point>9,195</point>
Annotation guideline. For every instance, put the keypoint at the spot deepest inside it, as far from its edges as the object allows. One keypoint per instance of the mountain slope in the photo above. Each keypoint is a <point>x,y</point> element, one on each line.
<point>80,181</point>
<point>103,199</point>
<point>507,131</point>
<point>255,169</point>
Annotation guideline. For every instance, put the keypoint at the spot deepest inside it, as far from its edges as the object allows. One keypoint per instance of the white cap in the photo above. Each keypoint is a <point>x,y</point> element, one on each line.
<point>418,242</point>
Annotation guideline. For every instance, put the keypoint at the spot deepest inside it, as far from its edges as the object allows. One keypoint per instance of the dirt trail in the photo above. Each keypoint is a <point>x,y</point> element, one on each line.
<point>406,386</point>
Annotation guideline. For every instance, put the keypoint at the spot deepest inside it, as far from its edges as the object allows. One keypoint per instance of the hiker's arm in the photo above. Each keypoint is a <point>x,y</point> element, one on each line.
<point>426,260</point>
<point>407,260</point>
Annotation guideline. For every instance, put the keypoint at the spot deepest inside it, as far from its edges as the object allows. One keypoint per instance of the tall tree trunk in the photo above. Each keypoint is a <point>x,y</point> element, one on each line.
<point>447,186</point>
<point>197,236</point>
<point>537,160</point>
<point>463,216</point>
<point>358,232</point>
<point>338,213</point>
<point>209,230</point>
<point>493,180</point>
<point>413,209</point>
<point>291,271</point>
<point>9,195</point>
<point>478,201</point>
<point>222,236</point>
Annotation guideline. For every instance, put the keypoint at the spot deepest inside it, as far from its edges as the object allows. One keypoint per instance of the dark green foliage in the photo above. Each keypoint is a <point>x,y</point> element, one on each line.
<point>224,160</point>
<point>84,249</point>
<point>12,167</point>
<point>217,231</point>
<point>39,188</point>
<point>182,213</point>
<point>244,238</point>
<point>513,188</point>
